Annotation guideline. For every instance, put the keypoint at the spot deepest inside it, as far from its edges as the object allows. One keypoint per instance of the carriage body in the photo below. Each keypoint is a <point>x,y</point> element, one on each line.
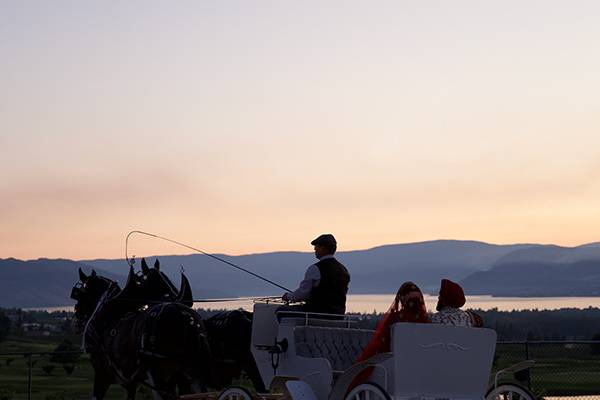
<point>426,361</point>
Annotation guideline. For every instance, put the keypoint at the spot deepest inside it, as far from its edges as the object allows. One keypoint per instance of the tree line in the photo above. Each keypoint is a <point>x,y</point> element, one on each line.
<point>563,324</point>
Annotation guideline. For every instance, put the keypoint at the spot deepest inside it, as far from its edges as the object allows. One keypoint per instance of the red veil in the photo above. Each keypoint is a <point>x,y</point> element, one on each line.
<point>413,309</point>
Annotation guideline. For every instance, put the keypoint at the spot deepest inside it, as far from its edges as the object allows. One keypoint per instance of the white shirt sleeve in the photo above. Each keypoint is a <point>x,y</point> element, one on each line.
<point>312,277</point>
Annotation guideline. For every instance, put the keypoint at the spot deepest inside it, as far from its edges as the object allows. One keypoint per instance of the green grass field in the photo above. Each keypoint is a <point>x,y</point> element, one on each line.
<point>56,385</point>
<point>559,371</point>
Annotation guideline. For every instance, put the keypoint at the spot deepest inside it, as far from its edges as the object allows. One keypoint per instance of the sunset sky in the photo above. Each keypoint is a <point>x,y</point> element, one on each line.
<point>252,126</point>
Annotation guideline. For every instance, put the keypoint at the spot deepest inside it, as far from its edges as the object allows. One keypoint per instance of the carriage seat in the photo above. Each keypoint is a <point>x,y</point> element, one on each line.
<point>341,346</point>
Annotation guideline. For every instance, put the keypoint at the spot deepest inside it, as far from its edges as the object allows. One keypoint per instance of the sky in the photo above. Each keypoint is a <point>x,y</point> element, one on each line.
<point>252,126</point>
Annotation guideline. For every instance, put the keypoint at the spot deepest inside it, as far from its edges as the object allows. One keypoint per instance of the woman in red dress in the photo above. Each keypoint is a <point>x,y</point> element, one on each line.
<point>412,309</point>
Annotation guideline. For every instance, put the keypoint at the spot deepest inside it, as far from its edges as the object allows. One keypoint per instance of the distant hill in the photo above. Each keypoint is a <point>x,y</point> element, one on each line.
<point>377,270</point>
<point>541,271</point>
<point>551,254</point>
<point>581,278</point>
<point>502,270</point>
<point>40,283</point>
<point>595,244</point>
<point>383,269</point>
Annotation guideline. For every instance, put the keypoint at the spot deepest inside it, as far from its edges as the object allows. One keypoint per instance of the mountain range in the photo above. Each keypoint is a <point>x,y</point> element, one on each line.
<point>482,268</point>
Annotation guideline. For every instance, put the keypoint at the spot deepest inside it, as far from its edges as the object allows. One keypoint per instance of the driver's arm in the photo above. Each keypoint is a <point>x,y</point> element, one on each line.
<point>312,277</point>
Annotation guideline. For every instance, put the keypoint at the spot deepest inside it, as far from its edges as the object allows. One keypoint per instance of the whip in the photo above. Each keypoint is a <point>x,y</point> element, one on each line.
<point>201,252</point>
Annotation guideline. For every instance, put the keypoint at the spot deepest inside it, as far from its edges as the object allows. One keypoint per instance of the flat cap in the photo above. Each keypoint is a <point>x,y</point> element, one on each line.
<point>326,240</point>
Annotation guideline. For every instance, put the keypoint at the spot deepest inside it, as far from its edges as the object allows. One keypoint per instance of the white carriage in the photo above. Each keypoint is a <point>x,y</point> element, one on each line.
<point>315,359</point>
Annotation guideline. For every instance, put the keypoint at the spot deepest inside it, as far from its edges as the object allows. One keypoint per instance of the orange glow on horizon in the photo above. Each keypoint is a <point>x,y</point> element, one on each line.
<point>397,123</point>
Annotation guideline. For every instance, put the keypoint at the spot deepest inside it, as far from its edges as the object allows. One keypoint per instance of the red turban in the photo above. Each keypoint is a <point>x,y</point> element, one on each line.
<point>451,294</point>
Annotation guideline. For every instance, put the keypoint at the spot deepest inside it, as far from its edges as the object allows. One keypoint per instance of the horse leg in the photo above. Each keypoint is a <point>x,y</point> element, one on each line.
<point>251,369</point>
<point>189,384</point>
<point>184,384</point>
<point>101,385</point>
<point>151,381</point>
<point>161,389</point>
<point>131,390</point>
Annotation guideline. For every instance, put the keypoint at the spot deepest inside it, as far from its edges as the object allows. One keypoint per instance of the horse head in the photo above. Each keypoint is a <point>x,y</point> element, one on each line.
<point>156,285</point>
<point>87,293</point>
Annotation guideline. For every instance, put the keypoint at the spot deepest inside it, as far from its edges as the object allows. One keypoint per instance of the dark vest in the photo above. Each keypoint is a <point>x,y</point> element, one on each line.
<point>329,296</point>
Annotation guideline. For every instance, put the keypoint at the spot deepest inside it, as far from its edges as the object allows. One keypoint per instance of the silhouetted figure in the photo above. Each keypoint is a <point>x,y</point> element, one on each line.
<point>325,283</point>
<point>451,298</point>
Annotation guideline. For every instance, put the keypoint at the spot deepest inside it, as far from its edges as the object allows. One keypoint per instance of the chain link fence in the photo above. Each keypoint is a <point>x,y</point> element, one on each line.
<point>563,369</point>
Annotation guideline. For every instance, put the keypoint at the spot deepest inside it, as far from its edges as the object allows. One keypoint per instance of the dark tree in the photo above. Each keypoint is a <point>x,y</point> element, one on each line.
<point>4,326</point>
<point>596,346</point>
<point>69,368</point>
<point>66,353</point>
<point>67,326</point>
<point>6,394</point>
<point>48,369</point>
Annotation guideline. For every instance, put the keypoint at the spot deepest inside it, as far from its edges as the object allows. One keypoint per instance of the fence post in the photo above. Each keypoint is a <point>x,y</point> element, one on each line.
<point>30,367</point>
<point>527,358</point>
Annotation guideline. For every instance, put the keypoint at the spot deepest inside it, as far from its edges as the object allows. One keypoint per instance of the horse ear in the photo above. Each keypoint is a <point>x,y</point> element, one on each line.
<point>144,266</point>
<point>94,273</point>
<point>157,265</point>
<point>82,276</point>
<point>185,292</point>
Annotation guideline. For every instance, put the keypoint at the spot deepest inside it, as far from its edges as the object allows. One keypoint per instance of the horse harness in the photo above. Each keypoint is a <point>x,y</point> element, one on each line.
<point>93,340</point>
<point>146,344</point>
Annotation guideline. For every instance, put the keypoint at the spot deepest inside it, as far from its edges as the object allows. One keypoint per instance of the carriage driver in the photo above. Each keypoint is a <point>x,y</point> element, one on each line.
<point>325,283</point>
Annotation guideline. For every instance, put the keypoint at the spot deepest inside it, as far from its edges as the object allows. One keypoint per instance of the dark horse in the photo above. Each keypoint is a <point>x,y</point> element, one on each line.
<point>229,332</point>
<point>229,335</point>
<point>163,346</point>
<point>154,286</point>
<point>146,334</point>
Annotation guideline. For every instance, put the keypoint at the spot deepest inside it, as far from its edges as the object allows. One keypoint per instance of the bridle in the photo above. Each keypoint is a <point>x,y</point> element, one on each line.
<point>81,294</point>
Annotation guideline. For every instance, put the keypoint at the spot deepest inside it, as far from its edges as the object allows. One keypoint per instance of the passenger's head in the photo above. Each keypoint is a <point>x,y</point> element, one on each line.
<point>451,295</point>
<point>324,245</point>
<point>410,297</point>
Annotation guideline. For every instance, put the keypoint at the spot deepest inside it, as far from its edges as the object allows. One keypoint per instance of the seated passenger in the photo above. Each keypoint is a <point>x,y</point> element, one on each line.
<point>451,298</point>
<point>413,309</point>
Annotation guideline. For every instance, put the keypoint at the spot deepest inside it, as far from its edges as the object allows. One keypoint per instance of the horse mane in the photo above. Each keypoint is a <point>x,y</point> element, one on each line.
<point>169,283</point>
<point>128,299</point>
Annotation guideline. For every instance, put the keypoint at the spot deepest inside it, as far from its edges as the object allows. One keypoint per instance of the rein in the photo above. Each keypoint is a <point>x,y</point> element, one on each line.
<point>220,300</point>
<point>105,296</point>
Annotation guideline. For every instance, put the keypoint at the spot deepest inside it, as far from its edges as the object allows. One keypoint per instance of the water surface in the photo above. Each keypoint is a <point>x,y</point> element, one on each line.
<point>380,303</point>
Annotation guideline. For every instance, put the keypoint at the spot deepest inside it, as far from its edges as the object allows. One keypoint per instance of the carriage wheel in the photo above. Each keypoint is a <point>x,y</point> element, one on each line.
<point>367,391</point>
<point>509,391</point>
<point>235,393</point>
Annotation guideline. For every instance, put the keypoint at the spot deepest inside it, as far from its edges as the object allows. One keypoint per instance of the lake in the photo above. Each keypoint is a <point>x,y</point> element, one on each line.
<point>380,303</point>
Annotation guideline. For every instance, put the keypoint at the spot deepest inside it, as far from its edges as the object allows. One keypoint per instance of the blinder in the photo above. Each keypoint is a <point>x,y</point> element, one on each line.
<point>140,276</point>
<point>77,292</point>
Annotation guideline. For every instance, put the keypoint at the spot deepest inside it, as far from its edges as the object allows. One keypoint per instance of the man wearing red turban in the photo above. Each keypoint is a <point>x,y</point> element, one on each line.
<point>450,300</point>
